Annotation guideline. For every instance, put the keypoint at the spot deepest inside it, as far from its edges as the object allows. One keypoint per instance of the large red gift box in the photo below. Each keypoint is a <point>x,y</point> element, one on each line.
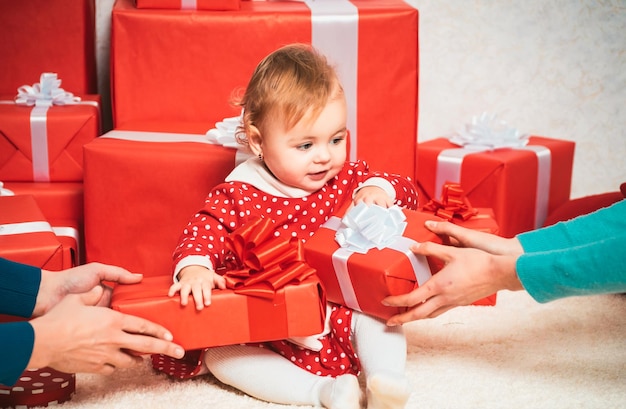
<point>361,281</point>
<point>521,185</point>
<point>48,35</point>
<point>27,237</point>
<point>42,145</point>
<point>189,4</point>
<point>296,310</point>
<point>140,190</point>
<point>38,387</point>
<point>190,74</point>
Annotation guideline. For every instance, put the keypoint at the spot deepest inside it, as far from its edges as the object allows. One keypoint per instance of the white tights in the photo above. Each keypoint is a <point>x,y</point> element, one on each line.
<point>268,376</point>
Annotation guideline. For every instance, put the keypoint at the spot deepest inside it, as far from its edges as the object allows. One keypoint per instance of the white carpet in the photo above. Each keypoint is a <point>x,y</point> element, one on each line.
<point>567,354</point>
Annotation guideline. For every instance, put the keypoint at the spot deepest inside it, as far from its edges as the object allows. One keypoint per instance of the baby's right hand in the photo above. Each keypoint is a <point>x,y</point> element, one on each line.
<point>197,281</point>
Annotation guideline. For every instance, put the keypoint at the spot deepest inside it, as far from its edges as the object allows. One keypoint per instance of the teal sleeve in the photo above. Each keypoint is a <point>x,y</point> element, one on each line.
<point>16,347</point>
<point>581,230</point>
<point>19,285</point>
<point>580,257</point>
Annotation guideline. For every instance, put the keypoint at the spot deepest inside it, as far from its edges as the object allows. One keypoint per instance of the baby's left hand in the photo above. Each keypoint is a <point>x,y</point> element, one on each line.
<point>373,195</point>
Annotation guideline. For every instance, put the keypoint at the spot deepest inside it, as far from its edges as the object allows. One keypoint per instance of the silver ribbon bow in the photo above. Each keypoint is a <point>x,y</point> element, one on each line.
<point>46,92</point>
<point>367,226</point>
<point>488,132</point>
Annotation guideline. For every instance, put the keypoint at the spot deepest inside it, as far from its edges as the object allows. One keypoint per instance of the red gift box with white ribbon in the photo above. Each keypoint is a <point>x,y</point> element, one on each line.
<point>360,276</point>
<point>38,387</point>
<point>43,130</point>
<point>27,237</point>
<point>522,178</point>
<point>190,74</point>
<point>141,188</point>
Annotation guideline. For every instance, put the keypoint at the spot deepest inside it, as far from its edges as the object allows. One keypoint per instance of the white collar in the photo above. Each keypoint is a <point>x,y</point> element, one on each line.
<point>254,172</point>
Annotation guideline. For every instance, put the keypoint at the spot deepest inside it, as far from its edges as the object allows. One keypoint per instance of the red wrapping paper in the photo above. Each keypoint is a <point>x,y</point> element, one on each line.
<point>48,35</point>
<point>374,275</point>
<point>38,387</point>
<point>297,310</point>
<point>504,180</point>
<point>41,247</point>
<point>68,127</point>
<point>173,83</point>
<point>136,207</point>
<point>189,4</point>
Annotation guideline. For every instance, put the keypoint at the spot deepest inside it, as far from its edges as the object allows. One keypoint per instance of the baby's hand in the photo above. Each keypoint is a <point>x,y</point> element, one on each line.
<point>197,281</point>
<point>373,195</point>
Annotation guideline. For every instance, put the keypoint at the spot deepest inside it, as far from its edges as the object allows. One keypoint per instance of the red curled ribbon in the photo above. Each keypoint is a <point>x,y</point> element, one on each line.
<point>260,263</point>
<point>453,204</point>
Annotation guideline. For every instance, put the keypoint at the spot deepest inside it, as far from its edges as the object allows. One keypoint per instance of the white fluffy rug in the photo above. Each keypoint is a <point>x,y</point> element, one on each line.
<point>567,354</point>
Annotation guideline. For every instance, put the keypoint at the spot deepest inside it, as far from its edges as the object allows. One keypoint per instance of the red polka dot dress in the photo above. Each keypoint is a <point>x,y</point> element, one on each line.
<point>233,203</point>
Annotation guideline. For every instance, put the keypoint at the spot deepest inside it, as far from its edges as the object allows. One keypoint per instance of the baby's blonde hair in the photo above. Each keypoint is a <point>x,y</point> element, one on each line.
<point>291,82</point>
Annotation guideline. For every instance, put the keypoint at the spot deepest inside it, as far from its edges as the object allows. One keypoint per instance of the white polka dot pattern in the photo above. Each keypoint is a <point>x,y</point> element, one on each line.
<point>38,387</point>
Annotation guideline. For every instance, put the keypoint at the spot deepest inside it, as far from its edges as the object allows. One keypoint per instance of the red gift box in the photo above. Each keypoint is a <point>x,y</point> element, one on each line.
<point>297,310</point>
<point>48,35</point>
<point>43,144</point>
<point>38,387</point>
<point>27,237</point>
<point>361,281</point>
<point>374,44</point>
<point>61,203</point>
<point>140,193</point>
<point>189,4</point>
<point>521,185</point>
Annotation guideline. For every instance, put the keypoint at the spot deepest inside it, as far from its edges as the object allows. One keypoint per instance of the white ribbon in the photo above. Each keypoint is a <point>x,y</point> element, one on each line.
<point>366,227</point>
<point>225,134</point>
<point>71,232</point>
<point>188,5</point>
<point>41,96</point>
<point>335,33</point>
<point>372,238</point>
<point>25,227</point>
<point>486,133</point>
<point>166,137</point>
<point>4,191</point>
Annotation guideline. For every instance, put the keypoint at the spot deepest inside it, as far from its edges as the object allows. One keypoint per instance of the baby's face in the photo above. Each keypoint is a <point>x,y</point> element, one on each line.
<point>312,152</point>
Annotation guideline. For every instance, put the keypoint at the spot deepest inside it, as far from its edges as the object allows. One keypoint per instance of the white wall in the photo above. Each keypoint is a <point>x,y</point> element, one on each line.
<point>552,68</point>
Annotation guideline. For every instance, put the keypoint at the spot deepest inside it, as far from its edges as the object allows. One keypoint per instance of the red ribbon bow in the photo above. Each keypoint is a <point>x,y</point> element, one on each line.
<point>453,204</point>
<point>261,263</point>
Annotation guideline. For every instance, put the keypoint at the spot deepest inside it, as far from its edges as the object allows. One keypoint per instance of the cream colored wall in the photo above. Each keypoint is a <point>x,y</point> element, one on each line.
<point>552,68</point>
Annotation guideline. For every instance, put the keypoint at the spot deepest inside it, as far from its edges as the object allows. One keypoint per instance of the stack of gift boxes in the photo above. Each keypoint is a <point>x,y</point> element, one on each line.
<point>174,67</point>
<point>49,109</point>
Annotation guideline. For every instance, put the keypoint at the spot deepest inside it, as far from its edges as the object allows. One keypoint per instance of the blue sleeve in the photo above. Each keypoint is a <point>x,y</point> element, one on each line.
<point>583,256</point>
<point>16,346</point>
<point>19,285</point>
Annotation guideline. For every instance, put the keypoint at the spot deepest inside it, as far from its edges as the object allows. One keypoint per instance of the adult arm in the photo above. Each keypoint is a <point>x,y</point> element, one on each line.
<point>19,284</point>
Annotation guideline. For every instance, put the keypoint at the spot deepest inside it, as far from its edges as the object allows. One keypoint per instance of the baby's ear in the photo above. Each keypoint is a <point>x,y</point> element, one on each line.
<point>254,140</point>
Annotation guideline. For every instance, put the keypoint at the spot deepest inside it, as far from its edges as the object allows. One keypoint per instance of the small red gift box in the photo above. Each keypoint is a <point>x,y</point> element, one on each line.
<point>521,185</point>
<point>27,237</point>
<point>189,4</point>
<point>296,310</point>
<point>61,203</point>
<point>40,35</point>
<point>37,388</point>
<point>373,44</point>
<point>141,188</point>
<point>44,142</point>
<point>361,281</point>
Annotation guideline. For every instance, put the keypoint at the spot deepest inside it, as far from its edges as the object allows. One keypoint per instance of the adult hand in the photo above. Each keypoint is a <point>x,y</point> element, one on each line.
<point>55,285</point>
<point>459,236</point>
<point>79,336</point>
<point>468,275</point>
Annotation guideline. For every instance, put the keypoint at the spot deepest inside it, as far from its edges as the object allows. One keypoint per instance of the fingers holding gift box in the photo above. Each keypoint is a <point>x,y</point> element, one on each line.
<point>376,261</point>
